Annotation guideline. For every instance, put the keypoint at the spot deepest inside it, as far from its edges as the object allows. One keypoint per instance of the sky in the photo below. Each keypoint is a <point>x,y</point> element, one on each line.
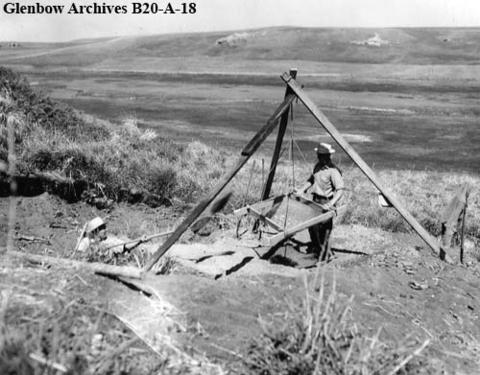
<point>220,15</point>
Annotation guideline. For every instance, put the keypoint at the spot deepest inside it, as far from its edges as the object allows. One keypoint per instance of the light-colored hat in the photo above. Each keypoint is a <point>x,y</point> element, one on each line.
<point>324,148</point>
<point>94,224</point>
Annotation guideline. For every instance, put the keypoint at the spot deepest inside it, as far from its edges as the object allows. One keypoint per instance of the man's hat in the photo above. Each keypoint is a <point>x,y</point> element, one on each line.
<point>324,148</point>
<point>94,224</point>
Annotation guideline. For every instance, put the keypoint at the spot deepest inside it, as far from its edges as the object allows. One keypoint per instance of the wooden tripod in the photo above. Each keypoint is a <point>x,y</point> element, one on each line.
<point>293,91</point>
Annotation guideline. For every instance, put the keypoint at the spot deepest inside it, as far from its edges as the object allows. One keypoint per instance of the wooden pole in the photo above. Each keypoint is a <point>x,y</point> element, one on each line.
<point>246,153</point>
<point>462,234</point>
<point>267,187</point>
<point>330,128</point>
<point>452,216</point>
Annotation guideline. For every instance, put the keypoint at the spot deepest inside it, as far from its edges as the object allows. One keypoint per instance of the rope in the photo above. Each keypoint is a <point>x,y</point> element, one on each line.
<point>291,147</point>
<point>292,161</point>
<point>300,151</point>
<point>247,190</point>
<point>251,175</point>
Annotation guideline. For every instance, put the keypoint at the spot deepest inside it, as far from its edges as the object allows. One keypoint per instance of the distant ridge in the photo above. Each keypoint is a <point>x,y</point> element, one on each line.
<point>347,45</point>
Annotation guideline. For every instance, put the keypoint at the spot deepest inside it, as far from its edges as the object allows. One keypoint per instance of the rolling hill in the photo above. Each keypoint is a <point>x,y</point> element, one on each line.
<point>366,46</point>
<point>412,91</point>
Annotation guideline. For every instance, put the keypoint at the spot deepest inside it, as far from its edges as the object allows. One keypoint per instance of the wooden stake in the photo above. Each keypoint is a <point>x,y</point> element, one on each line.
<point>278,144</point>
<point>462,235</point>
<point>452,216</point>
<point>330,128</point>
<point>246,153</point>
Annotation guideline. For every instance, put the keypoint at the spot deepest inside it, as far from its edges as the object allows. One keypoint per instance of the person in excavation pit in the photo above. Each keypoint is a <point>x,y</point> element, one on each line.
<point>95,244</point>
<point>326,187</point>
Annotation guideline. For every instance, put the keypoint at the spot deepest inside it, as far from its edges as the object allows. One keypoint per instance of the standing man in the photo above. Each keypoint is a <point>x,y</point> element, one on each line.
<point>326,186</point>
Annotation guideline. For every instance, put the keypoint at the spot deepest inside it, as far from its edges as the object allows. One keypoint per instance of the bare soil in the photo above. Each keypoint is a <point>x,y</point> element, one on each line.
<point>207,315</point>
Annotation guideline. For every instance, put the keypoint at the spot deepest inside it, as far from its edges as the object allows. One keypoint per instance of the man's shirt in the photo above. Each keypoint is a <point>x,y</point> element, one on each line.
<point>325,181</point>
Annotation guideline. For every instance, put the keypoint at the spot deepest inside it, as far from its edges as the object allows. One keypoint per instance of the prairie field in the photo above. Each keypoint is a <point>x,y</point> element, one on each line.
<point>409,103</point>
<point>136,130</point>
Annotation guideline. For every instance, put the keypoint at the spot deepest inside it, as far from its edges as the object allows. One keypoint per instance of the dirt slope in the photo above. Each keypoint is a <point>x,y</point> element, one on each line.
<point>395,281</point>
<point>399,286</point>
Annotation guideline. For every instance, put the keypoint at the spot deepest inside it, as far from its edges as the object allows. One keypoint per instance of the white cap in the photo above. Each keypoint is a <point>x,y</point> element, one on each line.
<point>94,224</point>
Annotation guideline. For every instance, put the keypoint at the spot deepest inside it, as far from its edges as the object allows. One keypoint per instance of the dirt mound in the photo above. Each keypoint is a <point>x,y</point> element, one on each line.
<point>209,305</point>
<point>418,296</point>
<point>396,284</point>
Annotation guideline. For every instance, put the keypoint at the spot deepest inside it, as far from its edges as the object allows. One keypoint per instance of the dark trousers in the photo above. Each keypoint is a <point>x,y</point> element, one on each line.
<point>320,234</point>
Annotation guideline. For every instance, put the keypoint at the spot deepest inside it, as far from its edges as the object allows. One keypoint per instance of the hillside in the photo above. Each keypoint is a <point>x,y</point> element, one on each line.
<point>382,304</point>
<point>365,46</point>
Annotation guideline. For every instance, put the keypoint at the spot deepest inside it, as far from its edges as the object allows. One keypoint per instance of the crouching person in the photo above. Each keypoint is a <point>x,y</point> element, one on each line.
<point>326,187</point>
<point>93,232</point>
<point>95,245</point>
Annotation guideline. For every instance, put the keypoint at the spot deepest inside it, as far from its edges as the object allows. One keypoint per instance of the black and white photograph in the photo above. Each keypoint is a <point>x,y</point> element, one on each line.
<point>223,187</point>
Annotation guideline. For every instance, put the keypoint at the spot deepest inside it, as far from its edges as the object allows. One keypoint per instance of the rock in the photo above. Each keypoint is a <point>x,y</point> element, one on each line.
<point>417,286</point>
<point>468,245</point>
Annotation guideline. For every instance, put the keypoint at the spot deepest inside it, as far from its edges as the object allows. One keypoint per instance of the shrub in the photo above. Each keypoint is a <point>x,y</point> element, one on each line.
<point>162,180</point>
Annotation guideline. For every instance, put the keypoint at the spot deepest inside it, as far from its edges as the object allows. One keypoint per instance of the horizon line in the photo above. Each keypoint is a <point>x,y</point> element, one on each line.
<point>238,30</point>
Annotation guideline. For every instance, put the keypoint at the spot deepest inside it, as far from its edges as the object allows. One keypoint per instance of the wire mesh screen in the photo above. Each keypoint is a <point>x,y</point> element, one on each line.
<point>288,211</point>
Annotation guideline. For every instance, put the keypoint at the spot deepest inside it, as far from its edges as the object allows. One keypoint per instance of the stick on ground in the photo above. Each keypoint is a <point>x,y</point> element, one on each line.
<point>98,268</point>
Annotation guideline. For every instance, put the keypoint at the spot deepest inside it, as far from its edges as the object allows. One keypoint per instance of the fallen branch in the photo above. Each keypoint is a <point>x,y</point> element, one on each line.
<point>22,237</point>
<point>98,268</point>
<point>117,271</point>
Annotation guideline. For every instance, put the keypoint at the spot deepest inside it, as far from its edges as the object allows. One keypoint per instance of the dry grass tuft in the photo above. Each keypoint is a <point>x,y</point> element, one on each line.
<point>320,337</point>
<point>424,194</point>
<point>70,332</point>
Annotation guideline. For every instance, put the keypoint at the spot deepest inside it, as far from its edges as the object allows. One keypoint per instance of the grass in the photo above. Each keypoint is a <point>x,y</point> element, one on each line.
<point>53,318</point>
<point>425,194</point>
<point>67,327</point>
<point>320,336</point>
<point>122,161</point>
<point>418,130</point>
<point>128,163</point>
<point>119,163</point>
